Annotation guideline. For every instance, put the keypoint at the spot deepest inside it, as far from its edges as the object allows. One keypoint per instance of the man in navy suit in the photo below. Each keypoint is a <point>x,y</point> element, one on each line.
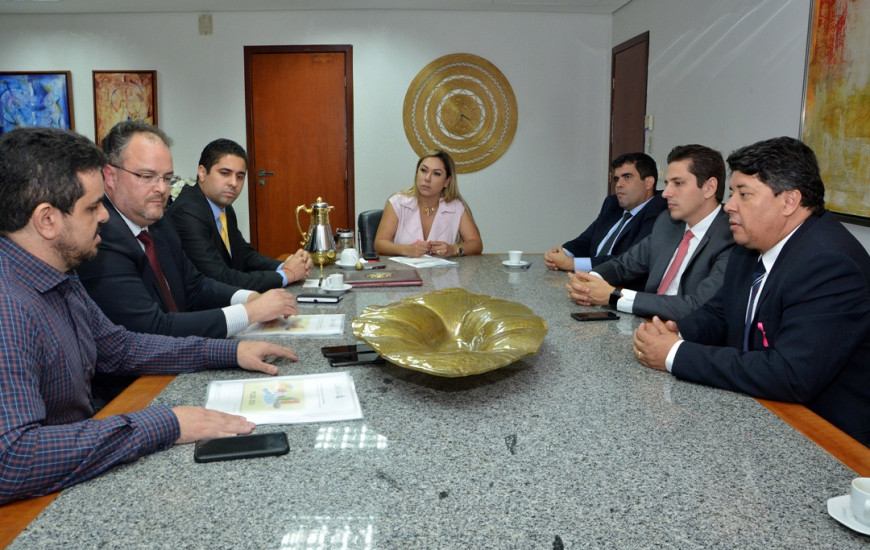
<point>792,320</point>
<point>625,218</point>
<point>197,215</point>
<point>683,257</point>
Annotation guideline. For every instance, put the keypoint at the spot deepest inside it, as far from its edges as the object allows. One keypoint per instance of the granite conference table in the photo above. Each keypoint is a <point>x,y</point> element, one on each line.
<point>575,447</point>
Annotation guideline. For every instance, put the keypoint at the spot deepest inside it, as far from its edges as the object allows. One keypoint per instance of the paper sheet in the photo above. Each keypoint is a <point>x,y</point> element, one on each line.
<point>324,397</point>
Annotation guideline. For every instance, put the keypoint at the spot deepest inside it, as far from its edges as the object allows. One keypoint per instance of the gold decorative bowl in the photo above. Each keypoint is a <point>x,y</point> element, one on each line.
<point>451,332</point>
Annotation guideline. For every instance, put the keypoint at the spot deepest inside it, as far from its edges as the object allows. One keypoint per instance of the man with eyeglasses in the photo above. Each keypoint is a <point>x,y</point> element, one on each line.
<point>53,337</point>
<point>141,277</point>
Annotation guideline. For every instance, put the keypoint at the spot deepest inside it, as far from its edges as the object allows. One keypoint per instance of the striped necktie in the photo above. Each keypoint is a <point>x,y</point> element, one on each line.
<point>757,278</point>
<point>608,245</point>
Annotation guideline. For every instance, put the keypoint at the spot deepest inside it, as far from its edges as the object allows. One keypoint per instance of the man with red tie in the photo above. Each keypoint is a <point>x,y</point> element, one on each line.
<point>792,319</point>
<point>141,278</point>
<point>683,257</point>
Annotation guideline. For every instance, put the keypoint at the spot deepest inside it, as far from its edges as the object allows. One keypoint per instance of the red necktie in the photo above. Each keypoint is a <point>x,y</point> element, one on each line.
<point>145,238</point>
<point>678,261</point>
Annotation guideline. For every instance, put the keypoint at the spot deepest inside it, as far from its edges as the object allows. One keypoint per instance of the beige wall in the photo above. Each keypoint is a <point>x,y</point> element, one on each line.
<point>546,187</point>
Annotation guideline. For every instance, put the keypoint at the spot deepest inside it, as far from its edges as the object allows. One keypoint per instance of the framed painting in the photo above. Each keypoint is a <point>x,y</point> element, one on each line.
<point>123,95</point>
<point>36,99</point>
<point>836,110</point>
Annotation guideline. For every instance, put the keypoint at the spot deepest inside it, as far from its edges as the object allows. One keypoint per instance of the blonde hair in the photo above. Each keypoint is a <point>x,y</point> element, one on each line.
<point>450,191</point>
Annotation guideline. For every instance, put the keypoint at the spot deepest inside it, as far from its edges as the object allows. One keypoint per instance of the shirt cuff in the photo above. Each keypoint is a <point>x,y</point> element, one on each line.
<point>156,427</point>
<point>241,297</point>
<point>582,264</point>
<point>626,303</point>
<point>283,275</point>
<point>237,319</point>
<point>669,360</point>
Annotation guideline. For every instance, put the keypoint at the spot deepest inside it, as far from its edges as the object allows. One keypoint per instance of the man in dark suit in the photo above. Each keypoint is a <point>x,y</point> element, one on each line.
<point>625,218</point>
<point>123,279</point>
<point>683,257</point>
<point>203,216</point>
<point>792,320</point>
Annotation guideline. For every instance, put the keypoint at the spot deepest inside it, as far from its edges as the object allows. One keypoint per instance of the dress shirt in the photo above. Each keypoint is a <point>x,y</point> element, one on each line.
<point>53,338</point>
<point>626,302</point>
<point>236,314</point>
<point>585,264</point>
<point>217,212</point>
<point>768,259</point>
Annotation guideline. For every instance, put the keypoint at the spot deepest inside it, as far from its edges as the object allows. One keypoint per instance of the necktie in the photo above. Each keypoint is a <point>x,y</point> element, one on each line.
<point>224,235</point>
<point>678,261</point>
<point>757,277</point>
<point>605,248</point>
<point>145,238</point>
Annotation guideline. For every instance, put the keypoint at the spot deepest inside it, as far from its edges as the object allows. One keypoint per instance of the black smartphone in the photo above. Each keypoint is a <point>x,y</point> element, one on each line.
<point>347,353</point>
<point>595,316</point>
<point>318,298</point>
<point>362,359</point>
<point>241,446</point>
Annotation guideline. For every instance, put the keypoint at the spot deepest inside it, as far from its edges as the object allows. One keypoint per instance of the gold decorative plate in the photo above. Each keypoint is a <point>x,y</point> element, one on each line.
<point>463,104</point>
<point>451,332</point>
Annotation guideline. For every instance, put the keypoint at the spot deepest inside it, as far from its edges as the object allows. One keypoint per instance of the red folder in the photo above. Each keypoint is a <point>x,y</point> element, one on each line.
<point>383,277</point>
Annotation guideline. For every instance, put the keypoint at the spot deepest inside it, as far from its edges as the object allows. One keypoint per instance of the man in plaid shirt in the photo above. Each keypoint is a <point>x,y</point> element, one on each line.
<point>53,337</point>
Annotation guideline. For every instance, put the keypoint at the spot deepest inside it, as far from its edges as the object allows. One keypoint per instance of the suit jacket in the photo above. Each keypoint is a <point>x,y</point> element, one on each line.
<point>814,310</point>
<point>121,282</point>
<point>585,245</point>
<point>193,218</point>
<point>651,256</point>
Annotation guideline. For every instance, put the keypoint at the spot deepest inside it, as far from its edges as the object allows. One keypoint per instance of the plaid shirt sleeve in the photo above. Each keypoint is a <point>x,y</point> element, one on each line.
<point>48,351</point>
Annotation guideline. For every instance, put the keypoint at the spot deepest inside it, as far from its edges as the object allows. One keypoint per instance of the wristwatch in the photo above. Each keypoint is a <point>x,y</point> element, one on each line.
<point>459,251</point>
<point>615,296</point>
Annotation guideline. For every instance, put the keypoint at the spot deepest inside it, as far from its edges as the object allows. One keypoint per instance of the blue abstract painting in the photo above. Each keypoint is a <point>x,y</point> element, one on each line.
<point>35,99</point>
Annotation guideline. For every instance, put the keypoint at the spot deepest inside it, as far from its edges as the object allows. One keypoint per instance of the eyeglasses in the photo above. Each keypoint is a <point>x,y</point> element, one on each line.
<point>151,179</point>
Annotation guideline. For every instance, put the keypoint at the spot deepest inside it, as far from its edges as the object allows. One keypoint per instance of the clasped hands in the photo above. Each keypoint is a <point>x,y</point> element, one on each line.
<point>651,342</point>
<point>556,260</point>
<point>433,248</point>
<point>297,266</point>
<point>588,290</point>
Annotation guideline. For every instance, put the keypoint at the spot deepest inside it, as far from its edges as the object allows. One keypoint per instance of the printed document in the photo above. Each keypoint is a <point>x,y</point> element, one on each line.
<point>327,397</point>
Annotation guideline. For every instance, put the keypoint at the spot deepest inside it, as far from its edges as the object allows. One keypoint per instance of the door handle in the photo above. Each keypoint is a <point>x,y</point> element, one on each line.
<point>262,173</point>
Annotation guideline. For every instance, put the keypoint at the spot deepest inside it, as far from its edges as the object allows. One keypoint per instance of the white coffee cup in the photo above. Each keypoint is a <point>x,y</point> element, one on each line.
<point>861,499</point>
<point>516,256</point>
<point>349,256</point>
<point>334,282</point>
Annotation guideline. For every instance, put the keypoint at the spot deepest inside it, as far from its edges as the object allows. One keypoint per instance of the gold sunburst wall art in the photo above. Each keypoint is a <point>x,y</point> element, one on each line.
<point>463,104</point>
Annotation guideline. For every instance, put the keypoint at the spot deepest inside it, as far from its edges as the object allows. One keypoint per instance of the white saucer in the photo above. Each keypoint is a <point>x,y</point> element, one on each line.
<point>521,263</point>
<point>841,510</point>
<point>343,288</point>
<point>345,266</point>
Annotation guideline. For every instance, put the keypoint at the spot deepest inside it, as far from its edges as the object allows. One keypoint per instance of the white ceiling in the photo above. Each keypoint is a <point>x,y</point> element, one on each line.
<point>206,6</point>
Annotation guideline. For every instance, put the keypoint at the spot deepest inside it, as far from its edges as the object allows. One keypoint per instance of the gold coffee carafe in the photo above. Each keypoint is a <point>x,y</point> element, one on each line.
<point>318,240</point>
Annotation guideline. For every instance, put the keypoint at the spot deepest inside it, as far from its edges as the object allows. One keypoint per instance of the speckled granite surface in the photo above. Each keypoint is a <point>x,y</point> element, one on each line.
<point>576,447</point>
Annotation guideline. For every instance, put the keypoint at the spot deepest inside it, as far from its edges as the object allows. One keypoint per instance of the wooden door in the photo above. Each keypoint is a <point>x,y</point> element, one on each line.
<point>299,103</point>
<point>629,68</point>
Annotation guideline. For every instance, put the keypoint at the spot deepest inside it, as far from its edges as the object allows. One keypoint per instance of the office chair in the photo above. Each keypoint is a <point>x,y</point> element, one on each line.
<point>367,224</point>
